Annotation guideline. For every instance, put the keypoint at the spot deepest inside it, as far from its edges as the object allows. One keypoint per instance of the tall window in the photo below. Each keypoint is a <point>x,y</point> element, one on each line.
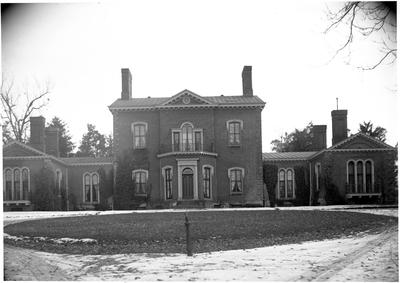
<point>16,184</point>
<point>286,183</point>
<point>140,181</point>
<point>289,184</point>
<point>91,187</point>
<point>236,180</point>
<point>368,176</point>
<point>139,135</point>
<point>176,137</point>
<point>87,188</point>
<point>282,187</point>
<point>197,143</point>
<point>360,176</point>
<point>317,176</point>
<point>352,179</point>
<point>207,182</point>
<point>8,180</point>
<point>187,137</point>
<point>168,183</point>
<point>234,132</point>
<point>25,184</point>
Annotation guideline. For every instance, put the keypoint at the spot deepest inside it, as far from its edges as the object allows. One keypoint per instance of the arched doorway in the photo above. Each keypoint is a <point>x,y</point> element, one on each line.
<point>187,183</point>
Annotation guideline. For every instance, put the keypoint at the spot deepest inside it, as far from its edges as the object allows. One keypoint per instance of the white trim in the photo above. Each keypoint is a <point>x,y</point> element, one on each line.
<point>211,179</point>
<point>133,133</point>
<point>187,153</point>
<point>233,121</point>
<point>185,92</point>
<point>229,178</point>
<point>192,164</point>
<point>193,106</point>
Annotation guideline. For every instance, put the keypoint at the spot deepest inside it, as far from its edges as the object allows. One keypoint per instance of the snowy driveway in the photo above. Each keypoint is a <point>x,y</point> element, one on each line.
<point>358,258</point>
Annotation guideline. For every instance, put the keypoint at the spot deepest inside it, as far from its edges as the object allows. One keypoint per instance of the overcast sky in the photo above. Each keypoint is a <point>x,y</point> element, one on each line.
<point>201,46</point>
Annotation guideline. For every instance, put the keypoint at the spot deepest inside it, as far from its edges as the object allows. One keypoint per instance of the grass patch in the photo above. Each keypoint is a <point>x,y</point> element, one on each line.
<point>211,230</point>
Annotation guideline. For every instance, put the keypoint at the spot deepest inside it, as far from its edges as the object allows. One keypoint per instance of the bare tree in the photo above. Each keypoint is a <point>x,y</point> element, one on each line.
<point>370,20</point>
<point>18,106</point>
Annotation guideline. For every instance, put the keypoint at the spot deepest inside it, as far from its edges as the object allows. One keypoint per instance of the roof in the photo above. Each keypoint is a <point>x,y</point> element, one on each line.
<point>166,102</point>
<point>289,156</point>
<point>87,160</point>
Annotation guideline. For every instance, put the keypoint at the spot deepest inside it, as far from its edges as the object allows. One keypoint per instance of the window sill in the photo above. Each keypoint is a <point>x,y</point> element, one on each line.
<point>139,148</point>
<point>236,193</point>
<point>140,195</point>
<point>234,145</point>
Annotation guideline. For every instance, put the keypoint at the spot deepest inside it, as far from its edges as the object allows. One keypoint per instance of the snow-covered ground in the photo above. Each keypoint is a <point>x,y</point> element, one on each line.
<point>359,258</point>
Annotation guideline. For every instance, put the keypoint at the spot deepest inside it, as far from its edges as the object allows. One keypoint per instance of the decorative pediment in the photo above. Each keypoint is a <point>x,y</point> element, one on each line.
<point>361,141</point>
<point>18,149</point>
<point>186,97</point>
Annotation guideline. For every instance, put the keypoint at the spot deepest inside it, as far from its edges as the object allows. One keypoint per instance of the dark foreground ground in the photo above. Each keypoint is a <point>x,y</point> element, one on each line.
<point>210,230</point>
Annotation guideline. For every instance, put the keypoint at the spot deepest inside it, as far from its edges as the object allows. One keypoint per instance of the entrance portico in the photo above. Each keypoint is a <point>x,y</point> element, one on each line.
<point>187,179</point>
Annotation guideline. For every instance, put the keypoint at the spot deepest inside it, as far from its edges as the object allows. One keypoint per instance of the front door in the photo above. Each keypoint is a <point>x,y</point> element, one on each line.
<point>187,182</point>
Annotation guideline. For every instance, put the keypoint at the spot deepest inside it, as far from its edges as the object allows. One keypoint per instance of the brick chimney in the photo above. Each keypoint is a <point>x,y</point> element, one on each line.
<point>126,93</point>
<point>318,137</point>
<point>52,141</point>
<point>339,126</point>
<point>37,133</point>
<point>247,81</point>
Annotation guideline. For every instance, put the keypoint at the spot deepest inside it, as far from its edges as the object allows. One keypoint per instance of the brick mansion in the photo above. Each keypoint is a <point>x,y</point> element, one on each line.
<point>189,150</point>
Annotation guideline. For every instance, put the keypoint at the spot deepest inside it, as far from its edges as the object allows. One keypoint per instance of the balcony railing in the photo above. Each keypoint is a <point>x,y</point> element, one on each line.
<point>188,147</point>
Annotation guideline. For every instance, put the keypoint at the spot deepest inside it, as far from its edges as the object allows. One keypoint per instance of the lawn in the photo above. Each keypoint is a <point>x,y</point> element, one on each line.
<point>211,230</point>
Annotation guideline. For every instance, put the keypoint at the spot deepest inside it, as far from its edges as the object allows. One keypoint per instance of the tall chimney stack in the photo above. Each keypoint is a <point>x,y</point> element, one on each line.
<point>37,133</point>
<point>318,137</point>
<point>126,93</point>
<point>247,81</point>
<point>339,126</point>
<point>52,141</point>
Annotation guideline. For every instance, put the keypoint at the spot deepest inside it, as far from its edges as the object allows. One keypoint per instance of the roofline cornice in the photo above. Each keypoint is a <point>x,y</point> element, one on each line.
<point>180,153</point>
<point>184,107</point>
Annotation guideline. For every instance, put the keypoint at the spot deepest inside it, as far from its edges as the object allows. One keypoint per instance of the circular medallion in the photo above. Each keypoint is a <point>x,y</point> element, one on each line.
<point>186,100</point>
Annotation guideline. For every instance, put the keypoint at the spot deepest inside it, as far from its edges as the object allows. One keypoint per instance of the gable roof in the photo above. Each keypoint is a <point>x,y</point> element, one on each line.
<point>361,136</point>
<point>153,103</point>
<point>183,93</point>
<point>29,150</point>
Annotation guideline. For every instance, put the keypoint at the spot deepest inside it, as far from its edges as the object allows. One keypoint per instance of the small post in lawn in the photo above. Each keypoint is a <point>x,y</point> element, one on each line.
<point>188,240</point>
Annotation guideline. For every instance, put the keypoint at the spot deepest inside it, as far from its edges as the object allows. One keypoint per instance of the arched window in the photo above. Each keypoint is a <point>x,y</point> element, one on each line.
<point>187,137</point>
<point>87,188</point>
<point>95,188</point>
<point>360,177</point>
<point>282,184</point>
<point>351,176</point>
<point>17,184</point>
<point>25,183</point>
<point>289,184</point>
<point>286,188</point>
<point>91,187</point>
<point>58,181</point>
<point>236,180</point>
<point>368,176</point>
<point>140,181</point>
<point>8,185</point>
